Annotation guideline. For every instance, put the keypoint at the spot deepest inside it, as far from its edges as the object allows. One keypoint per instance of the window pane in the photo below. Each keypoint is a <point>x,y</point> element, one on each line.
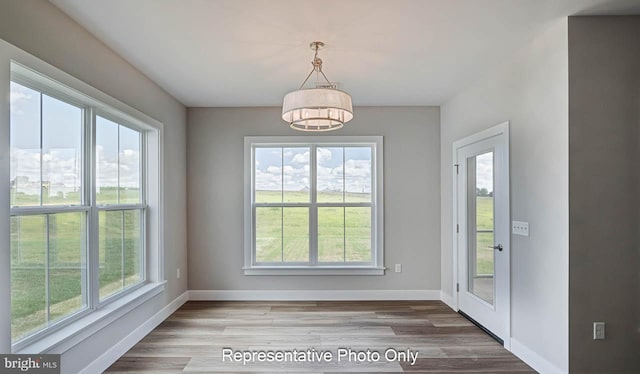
<point>330,181</point>
<point>107,161</point>
<point>129,166</point>
<point>61,153</point>
<point>25,146</point>
<point>268,234</point>
<point>132,247</point>
<point>295,234</point>
<point>66,263</point>
<point>296,175</point>
<point>331,234</point>
<point>268,175</point>
<point>357,174</point>
<point>110,252</point>
<point>28,282</point>
<point>358,234</point>
<point>480,225</point>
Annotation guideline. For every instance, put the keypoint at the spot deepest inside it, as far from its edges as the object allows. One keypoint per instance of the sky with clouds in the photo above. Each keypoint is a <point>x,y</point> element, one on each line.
<point>484,171</point>
<point>59,157</point>
<point>338,169</point>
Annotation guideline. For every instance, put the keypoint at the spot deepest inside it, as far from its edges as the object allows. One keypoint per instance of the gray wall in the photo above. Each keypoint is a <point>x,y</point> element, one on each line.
<point>530,90</point>
<point>39,28</point>
<point>604,122</point>
<point>215,194</point>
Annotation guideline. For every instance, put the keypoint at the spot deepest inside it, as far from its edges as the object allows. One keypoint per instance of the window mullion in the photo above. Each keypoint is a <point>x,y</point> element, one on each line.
<point>93,255</point>
<point>142,256</point>
<point>41,150</point>
<point>344,209</point>
<point>47,288</point>
<point>122,243</point>
<point>118,168</point>
<point>313,208</point>
<point>282,201</point>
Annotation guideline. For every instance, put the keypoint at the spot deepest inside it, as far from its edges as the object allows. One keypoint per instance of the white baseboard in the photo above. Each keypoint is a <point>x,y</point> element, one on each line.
<point>533,359</point>
<point>448,299</point>
<point>313,295</point>
<point>105,360</point>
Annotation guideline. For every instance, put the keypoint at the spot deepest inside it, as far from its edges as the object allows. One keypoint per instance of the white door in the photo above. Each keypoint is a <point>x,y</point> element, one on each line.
<point>482,229</point>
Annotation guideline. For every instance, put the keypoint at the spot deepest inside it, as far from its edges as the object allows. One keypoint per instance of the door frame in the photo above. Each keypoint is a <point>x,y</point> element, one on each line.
<point>501,129</point>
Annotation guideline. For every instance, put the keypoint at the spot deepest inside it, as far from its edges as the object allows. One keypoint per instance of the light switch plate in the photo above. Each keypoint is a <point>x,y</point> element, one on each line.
<point>520,228</point>
<point>398,268</point>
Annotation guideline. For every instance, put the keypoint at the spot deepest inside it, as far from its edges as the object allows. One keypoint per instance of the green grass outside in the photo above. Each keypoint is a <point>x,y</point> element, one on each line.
<point>106,195</point>
<point>66,251</point>
<point>484,220</point>
<point>305,197</point>
<point>337,241</point>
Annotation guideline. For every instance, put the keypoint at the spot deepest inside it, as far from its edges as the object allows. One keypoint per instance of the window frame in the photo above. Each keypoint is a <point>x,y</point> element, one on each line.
<point>314,267</point>
<point>93,104</point>
<point>97,208</point>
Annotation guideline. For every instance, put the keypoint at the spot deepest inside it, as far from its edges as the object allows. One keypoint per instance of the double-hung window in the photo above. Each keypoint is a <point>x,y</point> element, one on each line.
<point>78,193</point>
<point>313,205</point>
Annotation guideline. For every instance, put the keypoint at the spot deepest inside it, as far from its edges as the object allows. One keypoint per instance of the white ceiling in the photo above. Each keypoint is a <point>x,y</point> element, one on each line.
<point>251,52</point>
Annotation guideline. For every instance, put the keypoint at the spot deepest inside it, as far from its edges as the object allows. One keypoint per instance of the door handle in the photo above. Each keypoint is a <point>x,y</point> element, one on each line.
<point>498,247</point>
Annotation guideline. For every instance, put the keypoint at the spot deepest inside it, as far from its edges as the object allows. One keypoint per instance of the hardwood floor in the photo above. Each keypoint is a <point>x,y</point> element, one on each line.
<point>193,339</point>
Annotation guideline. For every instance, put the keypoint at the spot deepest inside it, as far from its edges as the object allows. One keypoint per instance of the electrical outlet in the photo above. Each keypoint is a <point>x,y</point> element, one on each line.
<point>598,330</point>
<point>178,273</point>
<point>398,268</point>
<point>520,228</point>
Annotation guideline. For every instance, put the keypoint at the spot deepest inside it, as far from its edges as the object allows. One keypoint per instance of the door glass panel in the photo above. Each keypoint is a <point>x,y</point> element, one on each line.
<point>480,214</point>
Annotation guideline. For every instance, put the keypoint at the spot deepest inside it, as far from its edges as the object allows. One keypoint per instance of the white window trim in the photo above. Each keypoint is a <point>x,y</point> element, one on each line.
<point>76,327</point>
<point>377,265</point>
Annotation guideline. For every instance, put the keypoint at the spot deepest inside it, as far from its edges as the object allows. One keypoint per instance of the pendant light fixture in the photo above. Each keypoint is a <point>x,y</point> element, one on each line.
<point>322,108</point>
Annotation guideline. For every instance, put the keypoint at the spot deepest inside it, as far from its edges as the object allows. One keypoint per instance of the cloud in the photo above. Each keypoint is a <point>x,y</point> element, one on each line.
<point>484,171</point>
<point>127,171</point>
<point>270,180</point>
<point>295,177</point>
<point>273,177</point>
<point>60,167</point>
<point>25,163</point>
<point>323,155</point>
<point>301,158</point>
<point>18,97</point>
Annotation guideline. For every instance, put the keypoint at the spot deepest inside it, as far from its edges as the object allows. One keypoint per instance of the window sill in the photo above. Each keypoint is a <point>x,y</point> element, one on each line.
<point>69,336</point>
<point>313,270</point>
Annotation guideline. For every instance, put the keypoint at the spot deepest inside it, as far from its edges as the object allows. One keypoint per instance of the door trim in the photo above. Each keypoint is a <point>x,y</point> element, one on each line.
<point>501,129</point>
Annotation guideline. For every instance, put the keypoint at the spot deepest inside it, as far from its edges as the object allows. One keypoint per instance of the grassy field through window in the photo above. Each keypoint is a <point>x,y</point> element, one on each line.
<point>484,217</point>
<point>32,307</point>
<point>282,234</point>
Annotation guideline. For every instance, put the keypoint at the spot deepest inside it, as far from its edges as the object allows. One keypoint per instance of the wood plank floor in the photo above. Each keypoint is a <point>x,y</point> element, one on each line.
<point>193,338</point>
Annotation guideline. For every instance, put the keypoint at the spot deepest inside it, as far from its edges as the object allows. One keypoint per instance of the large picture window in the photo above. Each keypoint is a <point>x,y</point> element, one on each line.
<point>78,206</point>
<point>313,205</point>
